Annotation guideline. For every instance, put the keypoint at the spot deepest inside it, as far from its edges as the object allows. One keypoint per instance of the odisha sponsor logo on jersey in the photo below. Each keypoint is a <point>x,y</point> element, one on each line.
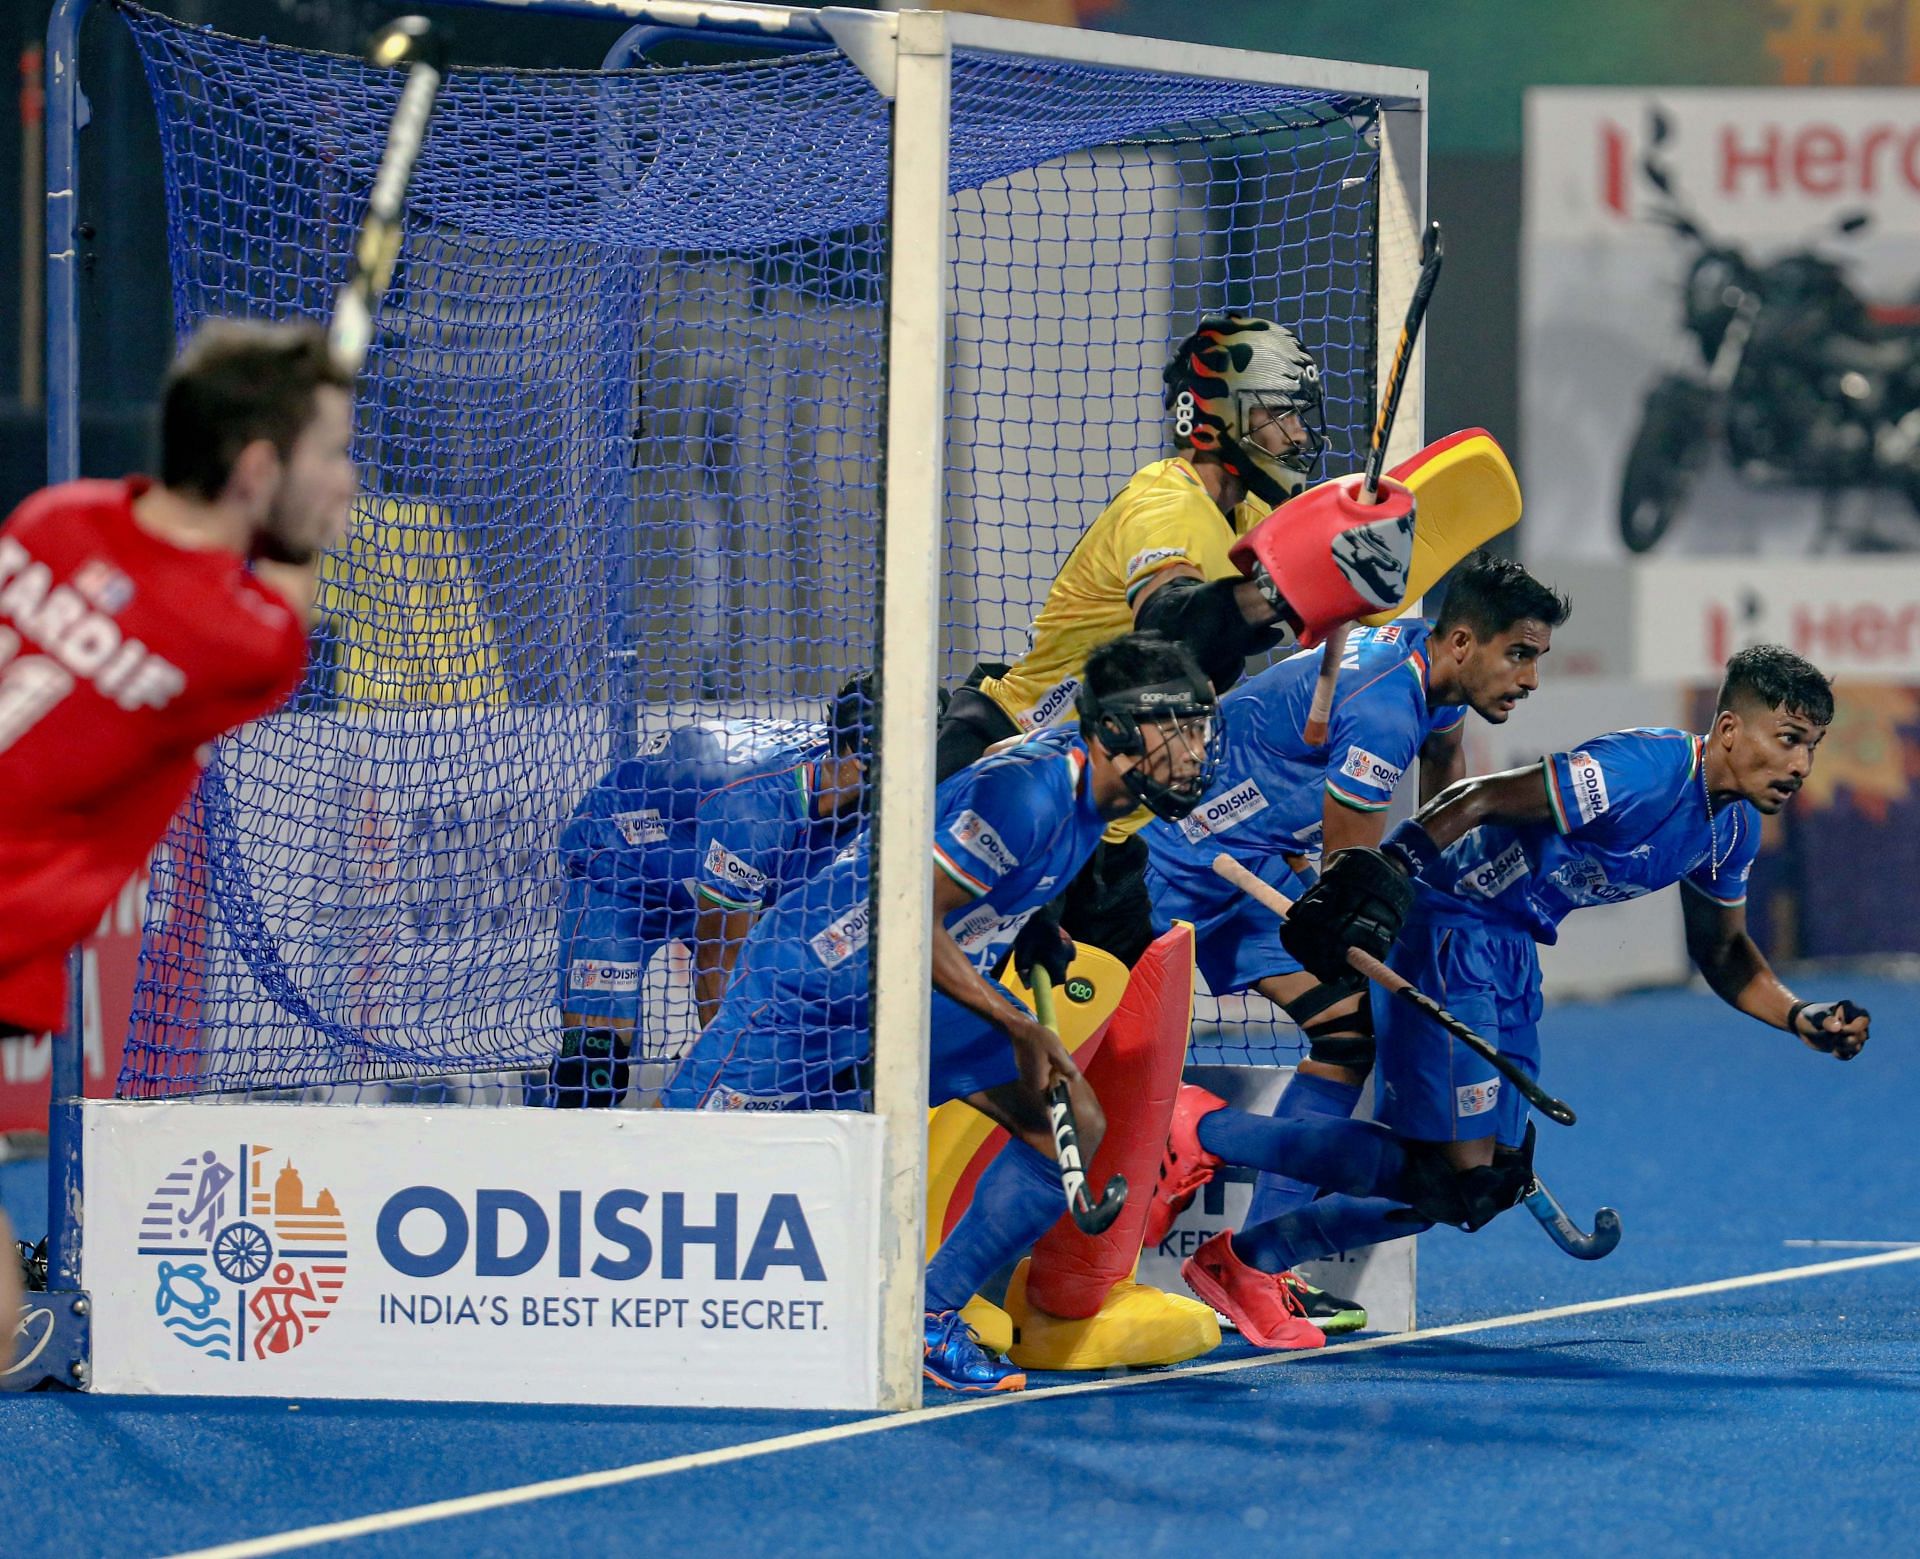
<point>983,926</point>
<point>1586,882</point>
<point>1370,769</point>
<point>1152,556</point>
<point>733,871</point>
<point>247,1261</point>
<point>1226,811</point>
<point>1491,878</point>
<point>1589,785</point>
<point>600,974</point>
<point>1056,700</point>
<point>643,827</point>
<point>976,835</point>
<point>1476,1098</point>
<point>839,941</point>
<point>425,1230</point>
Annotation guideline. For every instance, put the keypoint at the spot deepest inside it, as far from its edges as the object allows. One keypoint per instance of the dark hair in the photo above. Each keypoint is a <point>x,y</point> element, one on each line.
<point>1136,660</point>
<point>1489,594</point>
<point>1773,677</point>
<point>238,380</point>
<point>852,716</point>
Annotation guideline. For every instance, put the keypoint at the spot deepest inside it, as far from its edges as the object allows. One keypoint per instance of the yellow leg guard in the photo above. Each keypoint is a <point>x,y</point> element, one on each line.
<point>992,1325</point>
<point>1135,1325</point>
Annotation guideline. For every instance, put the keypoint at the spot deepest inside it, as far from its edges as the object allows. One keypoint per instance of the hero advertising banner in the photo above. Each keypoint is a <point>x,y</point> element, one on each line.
<point>1720,339</point>
<point>600,1257</point>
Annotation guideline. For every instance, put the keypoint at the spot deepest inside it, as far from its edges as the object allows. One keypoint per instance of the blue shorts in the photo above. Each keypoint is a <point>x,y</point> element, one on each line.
<point>1236,942</point>
<point>754,1056</point>
<point>1430,1086</point>
<point>606,944</point>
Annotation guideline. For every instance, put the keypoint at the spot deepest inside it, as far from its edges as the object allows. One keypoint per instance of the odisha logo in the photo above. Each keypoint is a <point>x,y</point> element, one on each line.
<point>244,1264</point>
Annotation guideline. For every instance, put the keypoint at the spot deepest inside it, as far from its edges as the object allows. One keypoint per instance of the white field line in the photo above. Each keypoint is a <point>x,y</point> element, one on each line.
<point>614,1477</point>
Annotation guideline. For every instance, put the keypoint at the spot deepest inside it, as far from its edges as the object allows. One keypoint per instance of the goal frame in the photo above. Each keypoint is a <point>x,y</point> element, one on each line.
<point>907,55</point>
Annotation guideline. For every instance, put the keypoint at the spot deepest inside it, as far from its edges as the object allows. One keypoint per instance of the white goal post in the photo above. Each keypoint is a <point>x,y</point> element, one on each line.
<point>454,1252</point>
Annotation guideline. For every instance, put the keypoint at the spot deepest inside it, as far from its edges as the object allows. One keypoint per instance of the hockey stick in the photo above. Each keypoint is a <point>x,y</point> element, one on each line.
<point>409,41</point>
<point>1089,1216</point>
<point>1432,252</point>
<point>1369,966</point>
<point>1539,1201</point>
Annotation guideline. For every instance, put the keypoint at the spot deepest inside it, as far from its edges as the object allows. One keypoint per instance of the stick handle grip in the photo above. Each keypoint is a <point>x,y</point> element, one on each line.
<point>1226,866</point>
<point>1042,987</point>
<point>1321,714</point>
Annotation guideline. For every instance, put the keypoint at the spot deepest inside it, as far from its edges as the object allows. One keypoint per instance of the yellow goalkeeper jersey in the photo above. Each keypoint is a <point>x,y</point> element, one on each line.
<point>1162,517</point>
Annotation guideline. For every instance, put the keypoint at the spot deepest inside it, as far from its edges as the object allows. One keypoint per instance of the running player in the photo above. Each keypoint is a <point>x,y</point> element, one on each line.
<point>1009,830</point>
<point>684,845</point>
<point>1496,864</point>
<point>141,620</point>
<point>1403,690</point>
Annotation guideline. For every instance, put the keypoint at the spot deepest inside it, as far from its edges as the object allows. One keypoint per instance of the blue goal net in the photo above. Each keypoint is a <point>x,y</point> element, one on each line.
<point>619,543</point>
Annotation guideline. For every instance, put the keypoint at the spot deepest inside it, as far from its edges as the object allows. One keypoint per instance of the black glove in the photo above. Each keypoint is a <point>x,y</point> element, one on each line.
<point>1808,1019</point>
<point>1041,944</point>
<point>1361,900</point>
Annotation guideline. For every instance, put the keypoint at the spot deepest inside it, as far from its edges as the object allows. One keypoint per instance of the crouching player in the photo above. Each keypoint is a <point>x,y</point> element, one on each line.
<point>1009,831</point>
<point>1403,690</point>
<point>685,845</point>
<point>1486,872</point>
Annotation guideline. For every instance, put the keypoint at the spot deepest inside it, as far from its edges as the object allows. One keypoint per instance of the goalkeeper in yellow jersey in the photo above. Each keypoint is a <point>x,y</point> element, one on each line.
<point>1244,397</point>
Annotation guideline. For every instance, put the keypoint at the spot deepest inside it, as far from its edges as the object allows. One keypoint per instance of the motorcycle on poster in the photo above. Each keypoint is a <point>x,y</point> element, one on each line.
<point>1721,346</point>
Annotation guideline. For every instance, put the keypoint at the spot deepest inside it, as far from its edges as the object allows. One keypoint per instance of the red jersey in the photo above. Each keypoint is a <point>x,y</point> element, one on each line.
<point>121,657</point>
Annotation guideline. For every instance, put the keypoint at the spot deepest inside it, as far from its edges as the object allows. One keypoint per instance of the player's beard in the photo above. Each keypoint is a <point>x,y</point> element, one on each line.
<point>288,536</point>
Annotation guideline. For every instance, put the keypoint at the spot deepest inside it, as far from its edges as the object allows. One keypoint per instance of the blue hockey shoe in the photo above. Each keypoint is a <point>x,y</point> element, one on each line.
<point>956,1360</point>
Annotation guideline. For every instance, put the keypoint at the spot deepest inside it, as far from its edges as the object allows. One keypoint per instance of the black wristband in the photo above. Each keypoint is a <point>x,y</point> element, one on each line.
<point>1793,1018</point>
<point>1411,847</point>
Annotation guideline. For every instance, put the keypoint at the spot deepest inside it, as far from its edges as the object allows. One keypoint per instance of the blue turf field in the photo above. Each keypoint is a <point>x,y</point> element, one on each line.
<point>1775,1416</point>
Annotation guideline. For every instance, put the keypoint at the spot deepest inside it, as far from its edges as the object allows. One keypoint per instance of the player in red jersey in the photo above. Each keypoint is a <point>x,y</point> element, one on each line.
<point>141,620</point>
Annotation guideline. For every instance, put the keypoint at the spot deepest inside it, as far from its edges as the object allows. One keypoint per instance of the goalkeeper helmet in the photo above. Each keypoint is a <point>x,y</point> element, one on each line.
<point>1142,679</point>
<point>1229,370</point>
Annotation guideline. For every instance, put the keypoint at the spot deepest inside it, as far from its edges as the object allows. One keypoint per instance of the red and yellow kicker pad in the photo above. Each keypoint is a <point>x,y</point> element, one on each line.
<point>1074,1303</point>
<point>1465,494</point>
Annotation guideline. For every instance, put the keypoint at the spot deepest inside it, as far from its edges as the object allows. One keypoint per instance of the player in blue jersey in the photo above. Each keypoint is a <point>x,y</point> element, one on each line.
<point>1403,691</point>
<point>760,835</point>
<point>672,846</point>
<point>1009,830</point>
<point>1461,894</point>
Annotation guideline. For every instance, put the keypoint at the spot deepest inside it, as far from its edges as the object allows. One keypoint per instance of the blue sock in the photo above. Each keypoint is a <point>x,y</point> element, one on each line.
<point>1320,1229</point>
<point>1304,1095</point>
<point>1017,1200</point>
<point>1358,1157</point>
